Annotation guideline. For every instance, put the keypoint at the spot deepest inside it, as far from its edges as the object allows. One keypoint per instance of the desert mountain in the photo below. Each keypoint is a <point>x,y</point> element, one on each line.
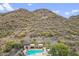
<point>73,24</point>
<point>36,21</point>
<point>48,21</point>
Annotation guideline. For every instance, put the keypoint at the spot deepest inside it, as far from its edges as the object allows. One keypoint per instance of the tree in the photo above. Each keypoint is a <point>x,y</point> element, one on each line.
<point>12,44</point>
<point>34,41</point>
<point>59,49</point>
<point>0,50</point>
<point>9,46</point>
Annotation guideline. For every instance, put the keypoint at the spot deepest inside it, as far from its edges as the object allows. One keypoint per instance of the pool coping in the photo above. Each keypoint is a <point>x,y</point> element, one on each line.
<point>25,50</point>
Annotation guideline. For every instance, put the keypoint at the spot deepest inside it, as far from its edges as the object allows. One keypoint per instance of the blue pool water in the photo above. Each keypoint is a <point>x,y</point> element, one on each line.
<point>33,51</point>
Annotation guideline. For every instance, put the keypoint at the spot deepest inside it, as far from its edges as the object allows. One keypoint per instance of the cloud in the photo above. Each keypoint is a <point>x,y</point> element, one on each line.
<point>1,8</point>
<point>67,13</point>
<point>56,11</point>
<point>5,7</point>
<point>29,4</point>
<point>74,11</point>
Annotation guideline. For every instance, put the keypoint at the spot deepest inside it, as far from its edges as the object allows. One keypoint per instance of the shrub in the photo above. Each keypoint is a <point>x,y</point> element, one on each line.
<point>8,46</point>
<point>61,39</point>
<point>4,34</point>
<point>47,34</point>
<point>17,46</point>
<point>0,49</point>
<point>20,35</point>
<point>57,33</point>
<point>47,44</point>
<point>12,44</point>
<point>34,41</point>
<point>73,32</point>
<point>76,53</point>
<point>59,49</point>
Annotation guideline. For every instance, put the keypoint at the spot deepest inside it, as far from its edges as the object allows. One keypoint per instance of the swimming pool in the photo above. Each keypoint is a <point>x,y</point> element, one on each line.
<point>32,52</point>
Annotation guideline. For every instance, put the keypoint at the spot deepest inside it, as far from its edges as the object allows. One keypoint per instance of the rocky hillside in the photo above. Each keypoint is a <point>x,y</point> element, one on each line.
<point>40,20</point>
<point>73,25</point>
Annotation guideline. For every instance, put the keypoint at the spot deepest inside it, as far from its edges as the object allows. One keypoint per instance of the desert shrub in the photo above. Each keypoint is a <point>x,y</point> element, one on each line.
<point>73,32</point>
<point>4,34</point>
<point>47,34</point>
<point>12,44</point>
<point>34,41</point>
<point>72,53</point>
<point>76,53</point>
<point>70,43</point>
<point>57,33</point>
<point>47,45</point>
<point>17,46</point>
<point>59,49</point>
<point>61,39</point>
<point>21,34</point>
<point>34,35</point>
<point>22,41</point>
<point>68,36</point>
<point>9,46</point>
<point>0,49</point>
<point>77,43</point>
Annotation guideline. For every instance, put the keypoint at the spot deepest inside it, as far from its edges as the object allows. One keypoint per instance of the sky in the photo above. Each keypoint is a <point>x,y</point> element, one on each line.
<point>63,9</point>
